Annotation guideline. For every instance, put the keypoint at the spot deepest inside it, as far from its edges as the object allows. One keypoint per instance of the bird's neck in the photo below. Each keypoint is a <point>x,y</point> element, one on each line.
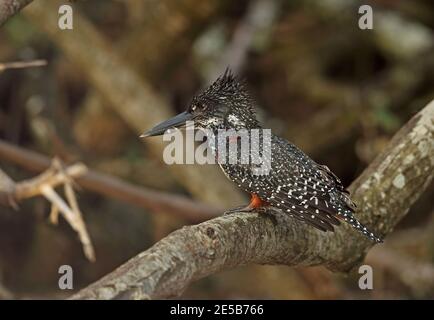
<point>228,139</point>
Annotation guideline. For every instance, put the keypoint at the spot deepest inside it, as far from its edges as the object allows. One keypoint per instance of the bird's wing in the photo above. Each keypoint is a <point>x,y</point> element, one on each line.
<point>306,199</point>
<point>305,190</point>
<point>300,187</point>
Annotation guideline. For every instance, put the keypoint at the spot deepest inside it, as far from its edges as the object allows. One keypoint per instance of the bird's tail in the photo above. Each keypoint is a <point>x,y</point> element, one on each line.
<point>351,220</point>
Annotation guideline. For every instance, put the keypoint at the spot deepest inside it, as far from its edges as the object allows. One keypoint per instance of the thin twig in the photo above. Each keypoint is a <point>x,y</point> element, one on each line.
<point>73,217</point>
<point>31,187</point>
<point>44,185</point>
<point>22,64</point>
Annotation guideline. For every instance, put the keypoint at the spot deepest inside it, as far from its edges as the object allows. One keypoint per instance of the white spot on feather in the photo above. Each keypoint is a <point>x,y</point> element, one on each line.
<point>235,120</point>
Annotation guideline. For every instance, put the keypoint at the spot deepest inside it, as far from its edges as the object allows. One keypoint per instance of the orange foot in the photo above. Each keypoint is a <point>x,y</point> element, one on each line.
<point>255,203</point>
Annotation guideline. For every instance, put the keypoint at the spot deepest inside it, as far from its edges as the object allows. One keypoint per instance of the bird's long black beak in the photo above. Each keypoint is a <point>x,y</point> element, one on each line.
<point>177,121</point>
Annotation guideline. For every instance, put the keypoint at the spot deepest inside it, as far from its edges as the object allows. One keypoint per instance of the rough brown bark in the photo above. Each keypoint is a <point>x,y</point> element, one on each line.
<point>384,193</point>
<point>9,8</point>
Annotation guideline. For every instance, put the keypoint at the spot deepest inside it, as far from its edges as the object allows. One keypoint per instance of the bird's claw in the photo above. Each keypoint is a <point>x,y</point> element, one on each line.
<point>238,209</point>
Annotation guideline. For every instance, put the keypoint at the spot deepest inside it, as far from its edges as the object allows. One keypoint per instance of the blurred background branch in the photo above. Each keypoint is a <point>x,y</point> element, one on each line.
<point>22,64</point>
<point>109,186</point>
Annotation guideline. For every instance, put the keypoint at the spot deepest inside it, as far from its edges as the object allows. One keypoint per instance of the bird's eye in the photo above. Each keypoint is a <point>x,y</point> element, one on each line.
<point>197,107</point>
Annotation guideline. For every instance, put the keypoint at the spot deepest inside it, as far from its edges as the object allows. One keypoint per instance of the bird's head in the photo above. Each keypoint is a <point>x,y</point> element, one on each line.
<point>225,104</point>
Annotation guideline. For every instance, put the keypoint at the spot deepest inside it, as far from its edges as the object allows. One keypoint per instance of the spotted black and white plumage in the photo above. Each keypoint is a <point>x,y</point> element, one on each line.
<point>296,184</point>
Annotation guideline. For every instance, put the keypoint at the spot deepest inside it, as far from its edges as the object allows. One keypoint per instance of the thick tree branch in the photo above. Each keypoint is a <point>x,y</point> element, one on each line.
<point>384,194</point>
<point>9,8</point>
